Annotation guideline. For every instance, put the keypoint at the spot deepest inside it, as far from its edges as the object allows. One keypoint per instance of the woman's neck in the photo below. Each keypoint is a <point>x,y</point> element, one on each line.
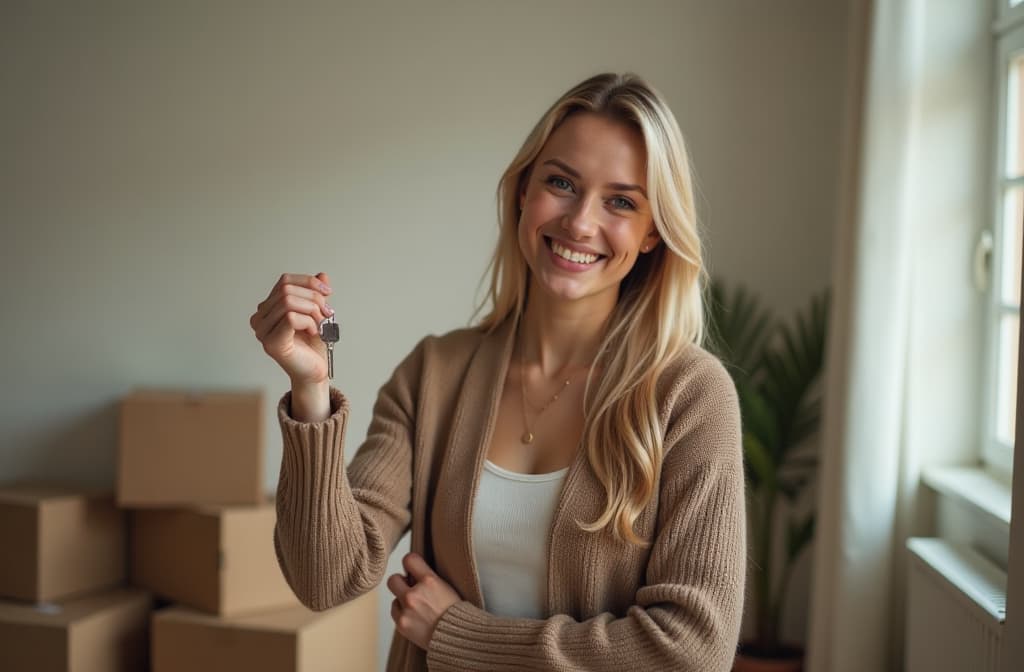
<point>562,337</point>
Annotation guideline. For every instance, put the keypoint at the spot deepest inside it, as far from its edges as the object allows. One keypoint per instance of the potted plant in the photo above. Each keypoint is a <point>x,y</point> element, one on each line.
<point>776,367</point>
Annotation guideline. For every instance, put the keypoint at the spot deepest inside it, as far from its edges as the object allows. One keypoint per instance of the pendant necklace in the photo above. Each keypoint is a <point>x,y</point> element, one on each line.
<point>527,437</point>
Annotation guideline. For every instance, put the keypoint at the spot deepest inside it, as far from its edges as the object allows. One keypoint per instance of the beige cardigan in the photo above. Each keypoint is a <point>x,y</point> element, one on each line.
<point>675,606</point>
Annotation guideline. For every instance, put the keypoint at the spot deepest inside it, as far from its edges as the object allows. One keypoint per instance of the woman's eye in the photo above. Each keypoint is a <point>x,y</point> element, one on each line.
<point>555,180</point>
<point>620,202</point>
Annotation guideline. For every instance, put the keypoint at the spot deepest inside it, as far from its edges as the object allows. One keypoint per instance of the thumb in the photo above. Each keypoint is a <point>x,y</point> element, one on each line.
<point>416,566</point>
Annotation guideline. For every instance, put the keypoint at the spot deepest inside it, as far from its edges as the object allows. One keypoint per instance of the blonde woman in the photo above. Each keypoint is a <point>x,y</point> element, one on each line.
<point>570,467</point>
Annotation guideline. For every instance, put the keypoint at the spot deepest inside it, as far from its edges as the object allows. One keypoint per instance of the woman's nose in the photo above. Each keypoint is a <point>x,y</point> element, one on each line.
<point>581,220</point>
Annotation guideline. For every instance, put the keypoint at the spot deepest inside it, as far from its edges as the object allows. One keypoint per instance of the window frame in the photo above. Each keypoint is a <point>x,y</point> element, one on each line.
<point>1008,37</point>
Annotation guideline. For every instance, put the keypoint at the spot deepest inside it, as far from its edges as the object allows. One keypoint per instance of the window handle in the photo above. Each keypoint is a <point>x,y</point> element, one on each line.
<point>983,261</point>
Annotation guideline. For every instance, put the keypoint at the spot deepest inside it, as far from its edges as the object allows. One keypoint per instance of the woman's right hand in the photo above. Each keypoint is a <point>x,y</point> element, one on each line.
<point>287,323</point>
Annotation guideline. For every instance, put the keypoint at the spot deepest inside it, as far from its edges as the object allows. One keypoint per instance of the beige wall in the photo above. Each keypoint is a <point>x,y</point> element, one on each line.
<point>161,166</point>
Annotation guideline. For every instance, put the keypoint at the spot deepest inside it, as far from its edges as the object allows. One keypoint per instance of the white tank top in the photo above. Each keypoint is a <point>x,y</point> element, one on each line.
<point>511,522</point>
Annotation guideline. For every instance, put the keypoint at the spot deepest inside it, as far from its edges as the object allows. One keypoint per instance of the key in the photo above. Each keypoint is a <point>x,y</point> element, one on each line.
<point>329,334</point>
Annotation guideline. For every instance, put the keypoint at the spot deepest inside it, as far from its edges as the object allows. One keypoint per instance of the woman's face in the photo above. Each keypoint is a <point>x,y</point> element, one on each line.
<point>585,199</point>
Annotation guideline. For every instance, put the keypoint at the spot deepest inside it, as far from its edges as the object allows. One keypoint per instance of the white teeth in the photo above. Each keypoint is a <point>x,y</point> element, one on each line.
<point>568,254</point>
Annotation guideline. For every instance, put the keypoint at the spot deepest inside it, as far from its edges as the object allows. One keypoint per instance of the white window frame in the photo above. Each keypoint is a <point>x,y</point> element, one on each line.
<point>1008,33</point>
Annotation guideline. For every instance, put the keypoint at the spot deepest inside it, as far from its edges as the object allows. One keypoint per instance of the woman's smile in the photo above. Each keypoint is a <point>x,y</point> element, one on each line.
<point>566,258</point>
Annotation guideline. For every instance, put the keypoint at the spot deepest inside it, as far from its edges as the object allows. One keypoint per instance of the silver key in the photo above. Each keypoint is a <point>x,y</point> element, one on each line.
<point>329,334</point>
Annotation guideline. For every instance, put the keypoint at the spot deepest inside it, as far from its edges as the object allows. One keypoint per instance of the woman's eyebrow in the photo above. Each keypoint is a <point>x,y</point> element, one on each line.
<point>611,185</point>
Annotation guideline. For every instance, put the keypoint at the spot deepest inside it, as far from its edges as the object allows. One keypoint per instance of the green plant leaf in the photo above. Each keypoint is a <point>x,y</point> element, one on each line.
<point>776,367</point>
<point>792,486</point>
<point>760,463</point>
<point>792,370</point>
<point>798,534</point>
<point>757,416</point>
<point>807,421</point>
<point>738,328</point>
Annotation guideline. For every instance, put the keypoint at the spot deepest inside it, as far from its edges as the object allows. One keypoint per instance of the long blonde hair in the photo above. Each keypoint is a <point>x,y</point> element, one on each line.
<point>659,309</point>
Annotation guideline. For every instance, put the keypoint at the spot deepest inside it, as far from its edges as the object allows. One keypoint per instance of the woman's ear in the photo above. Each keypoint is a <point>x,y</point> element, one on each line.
<point>651,240</point>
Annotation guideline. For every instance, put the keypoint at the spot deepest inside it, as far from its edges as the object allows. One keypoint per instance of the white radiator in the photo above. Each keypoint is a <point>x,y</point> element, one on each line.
<point>956,606</point>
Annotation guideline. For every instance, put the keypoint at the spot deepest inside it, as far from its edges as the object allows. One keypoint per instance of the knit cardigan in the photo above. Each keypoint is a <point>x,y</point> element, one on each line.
<point>676,605</point>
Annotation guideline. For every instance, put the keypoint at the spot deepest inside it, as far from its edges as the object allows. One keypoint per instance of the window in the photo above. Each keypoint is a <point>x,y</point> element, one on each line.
<point>1001,246</point>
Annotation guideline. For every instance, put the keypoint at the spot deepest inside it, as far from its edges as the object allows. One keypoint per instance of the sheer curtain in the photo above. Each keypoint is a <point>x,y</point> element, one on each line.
<point>902,357</point>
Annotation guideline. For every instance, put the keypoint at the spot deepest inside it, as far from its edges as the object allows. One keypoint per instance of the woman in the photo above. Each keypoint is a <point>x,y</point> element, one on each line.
<point>571,466</point>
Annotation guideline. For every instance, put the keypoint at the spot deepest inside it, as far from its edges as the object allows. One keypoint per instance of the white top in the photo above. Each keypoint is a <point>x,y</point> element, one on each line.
<point>511,522</point>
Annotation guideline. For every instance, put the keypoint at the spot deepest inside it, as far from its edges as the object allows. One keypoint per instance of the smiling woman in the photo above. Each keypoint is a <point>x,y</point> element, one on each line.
<point>570,466</point>
<point>580,234</point>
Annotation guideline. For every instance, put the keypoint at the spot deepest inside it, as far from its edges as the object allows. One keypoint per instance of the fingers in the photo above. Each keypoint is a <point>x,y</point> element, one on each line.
<point>282,331</point>
<point>420,600</point>
<point>399,588</point>
<point>311,289</point>
<point>398,585</point>
<point>303,294</point>
<point>416,566</point>
<point>282,317</point>
<point>290,303</point>
<point>319,282</point>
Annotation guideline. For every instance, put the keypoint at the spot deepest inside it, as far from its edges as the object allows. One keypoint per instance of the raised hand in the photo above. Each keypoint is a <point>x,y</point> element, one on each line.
<point>287,323</point>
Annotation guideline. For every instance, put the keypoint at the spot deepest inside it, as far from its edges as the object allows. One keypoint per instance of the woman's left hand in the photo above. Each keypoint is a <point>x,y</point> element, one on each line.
<point>417,608</point>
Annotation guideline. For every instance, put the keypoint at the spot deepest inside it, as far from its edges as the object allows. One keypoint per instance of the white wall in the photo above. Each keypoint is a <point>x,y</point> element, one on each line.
<point>162,165</point>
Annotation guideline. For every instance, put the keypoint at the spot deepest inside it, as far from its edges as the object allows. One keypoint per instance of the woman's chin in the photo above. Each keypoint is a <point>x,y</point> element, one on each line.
<point>558,289</point>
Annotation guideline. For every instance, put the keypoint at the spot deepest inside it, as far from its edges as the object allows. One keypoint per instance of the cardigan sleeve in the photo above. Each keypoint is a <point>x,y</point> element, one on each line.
<point>687,615</point>
<point>336,527</point>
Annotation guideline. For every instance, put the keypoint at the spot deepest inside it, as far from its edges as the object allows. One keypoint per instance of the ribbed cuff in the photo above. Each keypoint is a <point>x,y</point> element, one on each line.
<point>313,454</point>
<point>468,638</point>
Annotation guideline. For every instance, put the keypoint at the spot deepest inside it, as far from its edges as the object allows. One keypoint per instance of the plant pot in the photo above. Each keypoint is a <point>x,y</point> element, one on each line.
<point>789,658</point>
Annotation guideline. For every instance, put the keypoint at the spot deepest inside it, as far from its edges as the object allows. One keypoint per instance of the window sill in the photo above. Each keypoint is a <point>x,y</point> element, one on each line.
<point>973,486</point>
<point>973,507</point>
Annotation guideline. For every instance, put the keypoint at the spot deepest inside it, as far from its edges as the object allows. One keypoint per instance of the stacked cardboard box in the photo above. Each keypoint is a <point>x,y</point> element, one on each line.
<point>63,556</point>
<point>190,468</point>
<point>189,524</point>
<point>286,640</point>
<point>216,558</point>
<point>62,541</point>
<point>105,631</point>
<point>180,448</point>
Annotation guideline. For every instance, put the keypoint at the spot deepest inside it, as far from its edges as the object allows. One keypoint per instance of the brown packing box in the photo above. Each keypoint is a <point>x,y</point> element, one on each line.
<point>219,559</point>
<point>58,541</point>
<point>105,632</point>
<point>290,640</point>
<point>183,448</point>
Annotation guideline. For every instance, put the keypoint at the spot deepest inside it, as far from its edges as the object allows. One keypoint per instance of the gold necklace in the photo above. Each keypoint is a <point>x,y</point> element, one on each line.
<point>527,436</point>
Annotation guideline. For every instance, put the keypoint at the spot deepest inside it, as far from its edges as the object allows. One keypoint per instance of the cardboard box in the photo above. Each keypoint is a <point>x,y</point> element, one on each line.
<point>105,632</point>
<point>292,640</point>
<point>219,559</point>
<point>180,448</point>
<point>59,541</point>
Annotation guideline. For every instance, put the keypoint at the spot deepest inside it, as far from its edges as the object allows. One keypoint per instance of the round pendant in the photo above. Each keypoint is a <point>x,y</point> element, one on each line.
<point>527,437</point>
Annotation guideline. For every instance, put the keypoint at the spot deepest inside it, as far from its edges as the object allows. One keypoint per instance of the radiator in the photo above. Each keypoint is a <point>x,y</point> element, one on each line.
<point>956,606</point>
